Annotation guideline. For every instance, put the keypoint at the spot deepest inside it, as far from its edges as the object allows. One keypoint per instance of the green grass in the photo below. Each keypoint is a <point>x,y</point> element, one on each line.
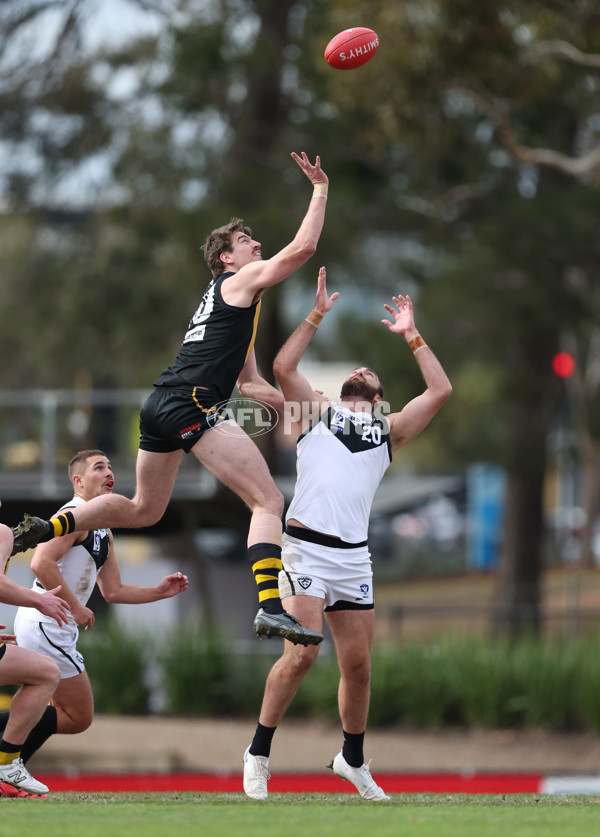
<point>295,815</point>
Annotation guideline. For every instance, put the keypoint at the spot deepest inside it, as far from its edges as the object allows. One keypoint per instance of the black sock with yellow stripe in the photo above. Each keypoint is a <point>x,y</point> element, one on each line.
<point>63,524</point>
<point>9,752</point>
<point>265,560</point>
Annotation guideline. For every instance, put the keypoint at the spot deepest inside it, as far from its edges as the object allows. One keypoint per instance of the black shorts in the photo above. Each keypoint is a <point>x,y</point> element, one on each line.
<point>174,418</point>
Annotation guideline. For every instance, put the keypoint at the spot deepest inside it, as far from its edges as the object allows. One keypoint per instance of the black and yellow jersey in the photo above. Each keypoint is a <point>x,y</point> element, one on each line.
<point>216,345</point>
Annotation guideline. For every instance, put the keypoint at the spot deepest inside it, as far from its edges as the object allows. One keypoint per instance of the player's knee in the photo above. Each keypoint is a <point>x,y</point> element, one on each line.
<point>49,672</point>
<point>301,659</point>
<point>143,516</point>
<point>81,723</point>
<point>357,671</point>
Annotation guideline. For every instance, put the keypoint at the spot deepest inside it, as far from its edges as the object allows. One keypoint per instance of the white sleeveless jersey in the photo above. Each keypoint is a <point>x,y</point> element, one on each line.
<point>341,460</point>
<point>79,567</point>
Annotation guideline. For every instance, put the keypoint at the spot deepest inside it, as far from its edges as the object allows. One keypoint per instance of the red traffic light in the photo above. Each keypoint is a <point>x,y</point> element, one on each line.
<point>563,364</point>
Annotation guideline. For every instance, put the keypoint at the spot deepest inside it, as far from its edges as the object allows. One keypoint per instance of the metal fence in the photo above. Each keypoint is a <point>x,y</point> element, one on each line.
<point>41,429</point>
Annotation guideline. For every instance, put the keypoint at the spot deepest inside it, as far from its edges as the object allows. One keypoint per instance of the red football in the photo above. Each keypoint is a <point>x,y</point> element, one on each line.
<point>351,48</point>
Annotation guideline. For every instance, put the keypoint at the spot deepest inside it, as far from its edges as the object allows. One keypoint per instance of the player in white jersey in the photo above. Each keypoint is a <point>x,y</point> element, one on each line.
<point>77,562</point>
<point>342,454</point>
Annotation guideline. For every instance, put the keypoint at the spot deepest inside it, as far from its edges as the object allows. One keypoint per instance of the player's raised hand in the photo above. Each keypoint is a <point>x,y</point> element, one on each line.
<point>404,322</point>
<point>323,301</point>
<point>314,173</point>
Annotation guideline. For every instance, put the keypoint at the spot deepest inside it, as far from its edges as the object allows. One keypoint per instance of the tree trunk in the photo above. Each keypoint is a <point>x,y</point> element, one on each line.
<point>590,461</point>
<point>517,590</point>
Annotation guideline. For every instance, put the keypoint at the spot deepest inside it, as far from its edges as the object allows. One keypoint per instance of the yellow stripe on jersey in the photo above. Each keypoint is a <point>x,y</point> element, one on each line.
<point>254,329</point>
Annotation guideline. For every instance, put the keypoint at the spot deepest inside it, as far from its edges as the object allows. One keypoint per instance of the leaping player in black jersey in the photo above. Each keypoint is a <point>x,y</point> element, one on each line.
<point>342,454</point>
<point>183,413</point>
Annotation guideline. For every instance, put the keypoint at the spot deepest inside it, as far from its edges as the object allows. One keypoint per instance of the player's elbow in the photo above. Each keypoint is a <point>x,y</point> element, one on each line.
<point>444,393</point>
<point>244,388</point>
<point>305,249</point>
<point>281,370</point>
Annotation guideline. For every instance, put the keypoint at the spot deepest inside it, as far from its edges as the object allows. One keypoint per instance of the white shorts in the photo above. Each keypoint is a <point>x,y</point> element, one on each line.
<point>54,641</point>
<point>342,577</point>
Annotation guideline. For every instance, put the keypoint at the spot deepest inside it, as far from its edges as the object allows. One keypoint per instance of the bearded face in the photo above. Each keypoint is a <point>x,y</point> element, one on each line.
<point>357,388</point>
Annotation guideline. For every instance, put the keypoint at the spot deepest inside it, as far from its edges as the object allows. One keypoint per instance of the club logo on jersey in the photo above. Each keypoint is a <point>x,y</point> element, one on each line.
<point>255,417</point>
<point>305,582</point>
<point>99,534</point>
<point>337,423</point>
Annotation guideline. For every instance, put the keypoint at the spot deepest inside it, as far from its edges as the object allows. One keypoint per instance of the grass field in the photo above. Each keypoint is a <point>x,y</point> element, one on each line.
<point>294,815</point>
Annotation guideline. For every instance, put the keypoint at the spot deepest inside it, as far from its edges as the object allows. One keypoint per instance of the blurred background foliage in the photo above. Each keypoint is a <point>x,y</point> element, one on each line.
<point>464,163</point>
<point>469,682</point>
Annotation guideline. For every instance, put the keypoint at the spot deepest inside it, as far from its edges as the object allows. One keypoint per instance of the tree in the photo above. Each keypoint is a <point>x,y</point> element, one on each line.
<point>463,163</point>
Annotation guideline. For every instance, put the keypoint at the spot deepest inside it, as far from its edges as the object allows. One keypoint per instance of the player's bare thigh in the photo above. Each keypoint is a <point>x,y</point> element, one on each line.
<point>309,610</point>
<point>352,632</point>
<point>20,665</point>
<point>231,455</point>
<point>155,479</point>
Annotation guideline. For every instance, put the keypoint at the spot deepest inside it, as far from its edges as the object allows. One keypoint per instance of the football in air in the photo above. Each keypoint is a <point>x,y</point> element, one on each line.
<point>351,48</point>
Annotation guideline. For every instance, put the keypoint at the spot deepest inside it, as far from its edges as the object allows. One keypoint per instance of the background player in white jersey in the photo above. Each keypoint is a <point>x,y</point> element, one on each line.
<point>183,411</point>
<point>38,675</point>
<point>76,562</point>
<point>342,454</point>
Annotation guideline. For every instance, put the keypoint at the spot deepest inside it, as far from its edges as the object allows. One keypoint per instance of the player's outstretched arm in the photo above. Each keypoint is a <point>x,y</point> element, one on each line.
<point>115,592</point>
<point>417,414</point>
<point>257,276</point>
<point>295,387</point>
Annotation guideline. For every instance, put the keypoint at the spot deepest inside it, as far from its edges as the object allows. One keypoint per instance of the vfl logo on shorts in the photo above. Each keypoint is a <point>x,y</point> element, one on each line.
<point>305,582</point>
<point>364,589</point>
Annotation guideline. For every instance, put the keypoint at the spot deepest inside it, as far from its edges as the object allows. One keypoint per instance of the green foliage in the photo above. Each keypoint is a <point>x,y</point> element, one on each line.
<point>116,662</point>
<point>197,675</point>
<point>467,682</point>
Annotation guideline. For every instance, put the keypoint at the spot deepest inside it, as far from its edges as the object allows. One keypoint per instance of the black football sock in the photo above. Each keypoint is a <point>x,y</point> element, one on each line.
<point>261,743</point>
<point>265,560</point>
<point>41,732</point>
<point>352,750</point>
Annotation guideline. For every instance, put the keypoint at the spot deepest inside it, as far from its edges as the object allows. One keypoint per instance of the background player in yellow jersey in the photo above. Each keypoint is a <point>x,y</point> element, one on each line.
<point>182,414</point>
